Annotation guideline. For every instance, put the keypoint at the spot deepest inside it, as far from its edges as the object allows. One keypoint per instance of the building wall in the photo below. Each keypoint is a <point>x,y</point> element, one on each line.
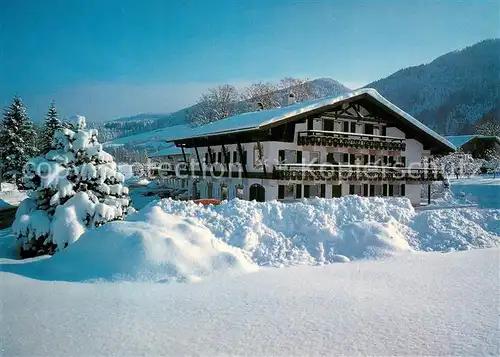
<point>270,149</point>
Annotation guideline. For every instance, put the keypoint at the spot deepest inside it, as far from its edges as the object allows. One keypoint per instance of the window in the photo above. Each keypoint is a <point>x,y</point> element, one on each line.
<point>353,127</point>
<point>345,158</point>
<point>239,191</point>
<point>346,127</point>
<point>328,125</point>
<point>355,190</point>
<point>219,157</point>
<point>368,128</point>
<point>336,190</point>
<point>223,192</point>
<point>396,190</point>
<point>314,190</point>
<point>310,124</point>
<point>286,191</point>
<point>235,156</point>
<point>314,157</point>
<point>376,190</point>
<point>258,155</point>
<point>291,156</point>
<point>383,130</point>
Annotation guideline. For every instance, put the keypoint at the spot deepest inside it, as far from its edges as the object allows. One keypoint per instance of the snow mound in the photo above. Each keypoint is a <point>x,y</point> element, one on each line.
<point>156,247</point>
<point>305,232</point>
<point>319,230</point>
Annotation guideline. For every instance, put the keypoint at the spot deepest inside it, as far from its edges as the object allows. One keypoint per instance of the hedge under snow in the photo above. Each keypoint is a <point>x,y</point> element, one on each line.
<point>76,185</point>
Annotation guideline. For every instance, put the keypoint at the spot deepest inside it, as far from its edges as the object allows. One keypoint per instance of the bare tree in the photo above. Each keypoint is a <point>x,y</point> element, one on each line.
<point>301,87</point>
<point>491,127</point>
<point>262,92</point>
<point>218,103</point>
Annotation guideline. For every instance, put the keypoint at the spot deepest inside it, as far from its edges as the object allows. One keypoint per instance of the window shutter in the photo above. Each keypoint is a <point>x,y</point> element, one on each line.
<point>365,159</point>
<point>281,191</point>
<point>281,155</point>
<point>353,127</point>
<point>372,159</point>
<point>219,157</point>
<point>299,157</point>
<point>372,190</point>
<point>391,190</point>
<point>298,191</point>
<point>235,156</point>
<point>384,189</point>
<point>351,189</point>
<point>244,158</point>
<point>306,191</point>
<point>385,160</point>
<point>403,160</point>
<point>346,127</point>
<point>323,190</point>
<point>365,190</point>
<point>310,124</point>
<point>228,157</point>
<point>206,157</point>
<point>391,160</point>
<point>352,159</point>
<point>403,189</point>
<point>345,159</point>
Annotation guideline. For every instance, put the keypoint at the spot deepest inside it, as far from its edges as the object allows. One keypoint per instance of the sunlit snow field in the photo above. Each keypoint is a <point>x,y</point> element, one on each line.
<point>246,278</point>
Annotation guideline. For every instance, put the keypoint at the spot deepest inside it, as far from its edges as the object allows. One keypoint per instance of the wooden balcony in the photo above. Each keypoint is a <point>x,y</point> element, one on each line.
<point>331,172</point>
<point>350,140</point>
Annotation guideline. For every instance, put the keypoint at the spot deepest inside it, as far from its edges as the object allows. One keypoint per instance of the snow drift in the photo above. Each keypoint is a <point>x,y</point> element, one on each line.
<point>158,247</point>
<point>318,230</point>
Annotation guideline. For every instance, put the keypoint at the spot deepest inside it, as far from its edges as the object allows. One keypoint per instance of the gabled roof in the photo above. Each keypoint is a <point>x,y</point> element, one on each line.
<point>461,140</point>
<point>265,118</point>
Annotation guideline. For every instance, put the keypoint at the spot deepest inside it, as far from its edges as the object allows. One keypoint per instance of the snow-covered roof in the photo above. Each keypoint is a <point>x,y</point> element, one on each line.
<point>259,119</point>
<point>156,135</point>
<point>173,150</point>
<point>460,140</point>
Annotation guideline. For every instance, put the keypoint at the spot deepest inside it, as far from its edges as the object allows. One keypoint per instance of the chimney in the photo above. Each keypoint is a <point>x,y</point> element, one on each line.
<point>290,99</point>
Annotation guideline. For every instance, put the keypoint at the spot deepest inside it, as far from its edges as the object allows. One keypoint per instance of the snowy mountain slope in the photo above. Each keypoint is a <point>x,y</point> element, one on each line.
<point>122,127</point>
<point>450,93</point>
<point>421,304</point>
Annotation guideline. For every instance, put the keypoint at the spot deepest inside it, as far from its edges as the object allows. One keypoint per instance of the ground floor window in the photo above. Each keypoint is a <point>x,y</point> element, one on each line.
<point>223,192</point>
<point>355,190</point>
<point>397,190</point>
<point>239,191</point>
<point>318,190</point>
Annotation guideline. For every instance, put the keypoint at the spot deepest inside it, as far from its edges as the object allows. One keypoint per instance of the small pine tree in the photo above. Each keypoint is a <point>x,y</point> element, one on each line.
<point>50,126</point>
<point>75,186</point>
<point>18,139</point>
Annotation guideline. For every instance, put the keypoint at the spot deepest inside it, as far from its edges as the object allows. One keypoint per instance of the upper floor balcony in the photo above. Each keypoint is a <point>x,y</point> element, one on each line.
<point>350,140</point>
<point>330,172</point>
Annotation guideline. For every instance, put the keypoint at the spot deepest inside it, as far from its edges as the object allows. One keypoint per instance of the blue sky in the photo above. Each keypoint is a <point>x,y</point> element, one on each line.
<point>111,58</point>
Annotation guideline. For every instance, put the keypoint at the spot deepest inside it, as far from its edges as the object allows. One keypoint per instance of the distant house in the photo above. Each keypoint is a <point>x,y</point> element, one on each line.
<point>358,143</point>
<point>476,145</point>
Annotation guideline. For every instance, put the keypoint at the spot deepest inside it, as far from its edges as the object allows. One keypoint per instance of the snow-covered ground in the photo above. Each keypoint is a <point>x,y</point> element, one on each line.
<point>10,196</point>
<point>403,290</point>
<point>418,304</point>
<point>483,190</point>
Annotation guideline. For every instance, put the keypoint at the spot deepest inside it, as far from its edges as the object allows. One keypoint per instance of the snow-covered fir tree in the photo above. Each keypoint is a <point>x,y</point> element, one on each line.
<point>18,139</point>
<point>75,186</point>
<point>50,126</point>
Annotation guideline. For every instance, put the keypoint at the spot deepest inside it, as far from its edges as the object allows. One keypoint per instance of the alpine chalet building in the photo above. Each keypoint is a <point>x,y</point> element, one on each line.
<point>358,143</point>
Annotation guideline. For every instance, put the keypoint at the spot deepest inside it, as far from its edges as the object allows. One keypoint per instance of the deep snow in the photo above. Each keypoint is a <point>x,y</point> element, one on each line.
<point>419,304</point>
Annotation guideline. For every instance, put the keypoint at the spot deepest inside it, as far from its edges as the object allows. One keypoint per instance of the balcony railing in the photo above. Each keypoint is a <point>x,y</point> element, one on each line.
<point>331,172</point>
<point>350,140</point>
